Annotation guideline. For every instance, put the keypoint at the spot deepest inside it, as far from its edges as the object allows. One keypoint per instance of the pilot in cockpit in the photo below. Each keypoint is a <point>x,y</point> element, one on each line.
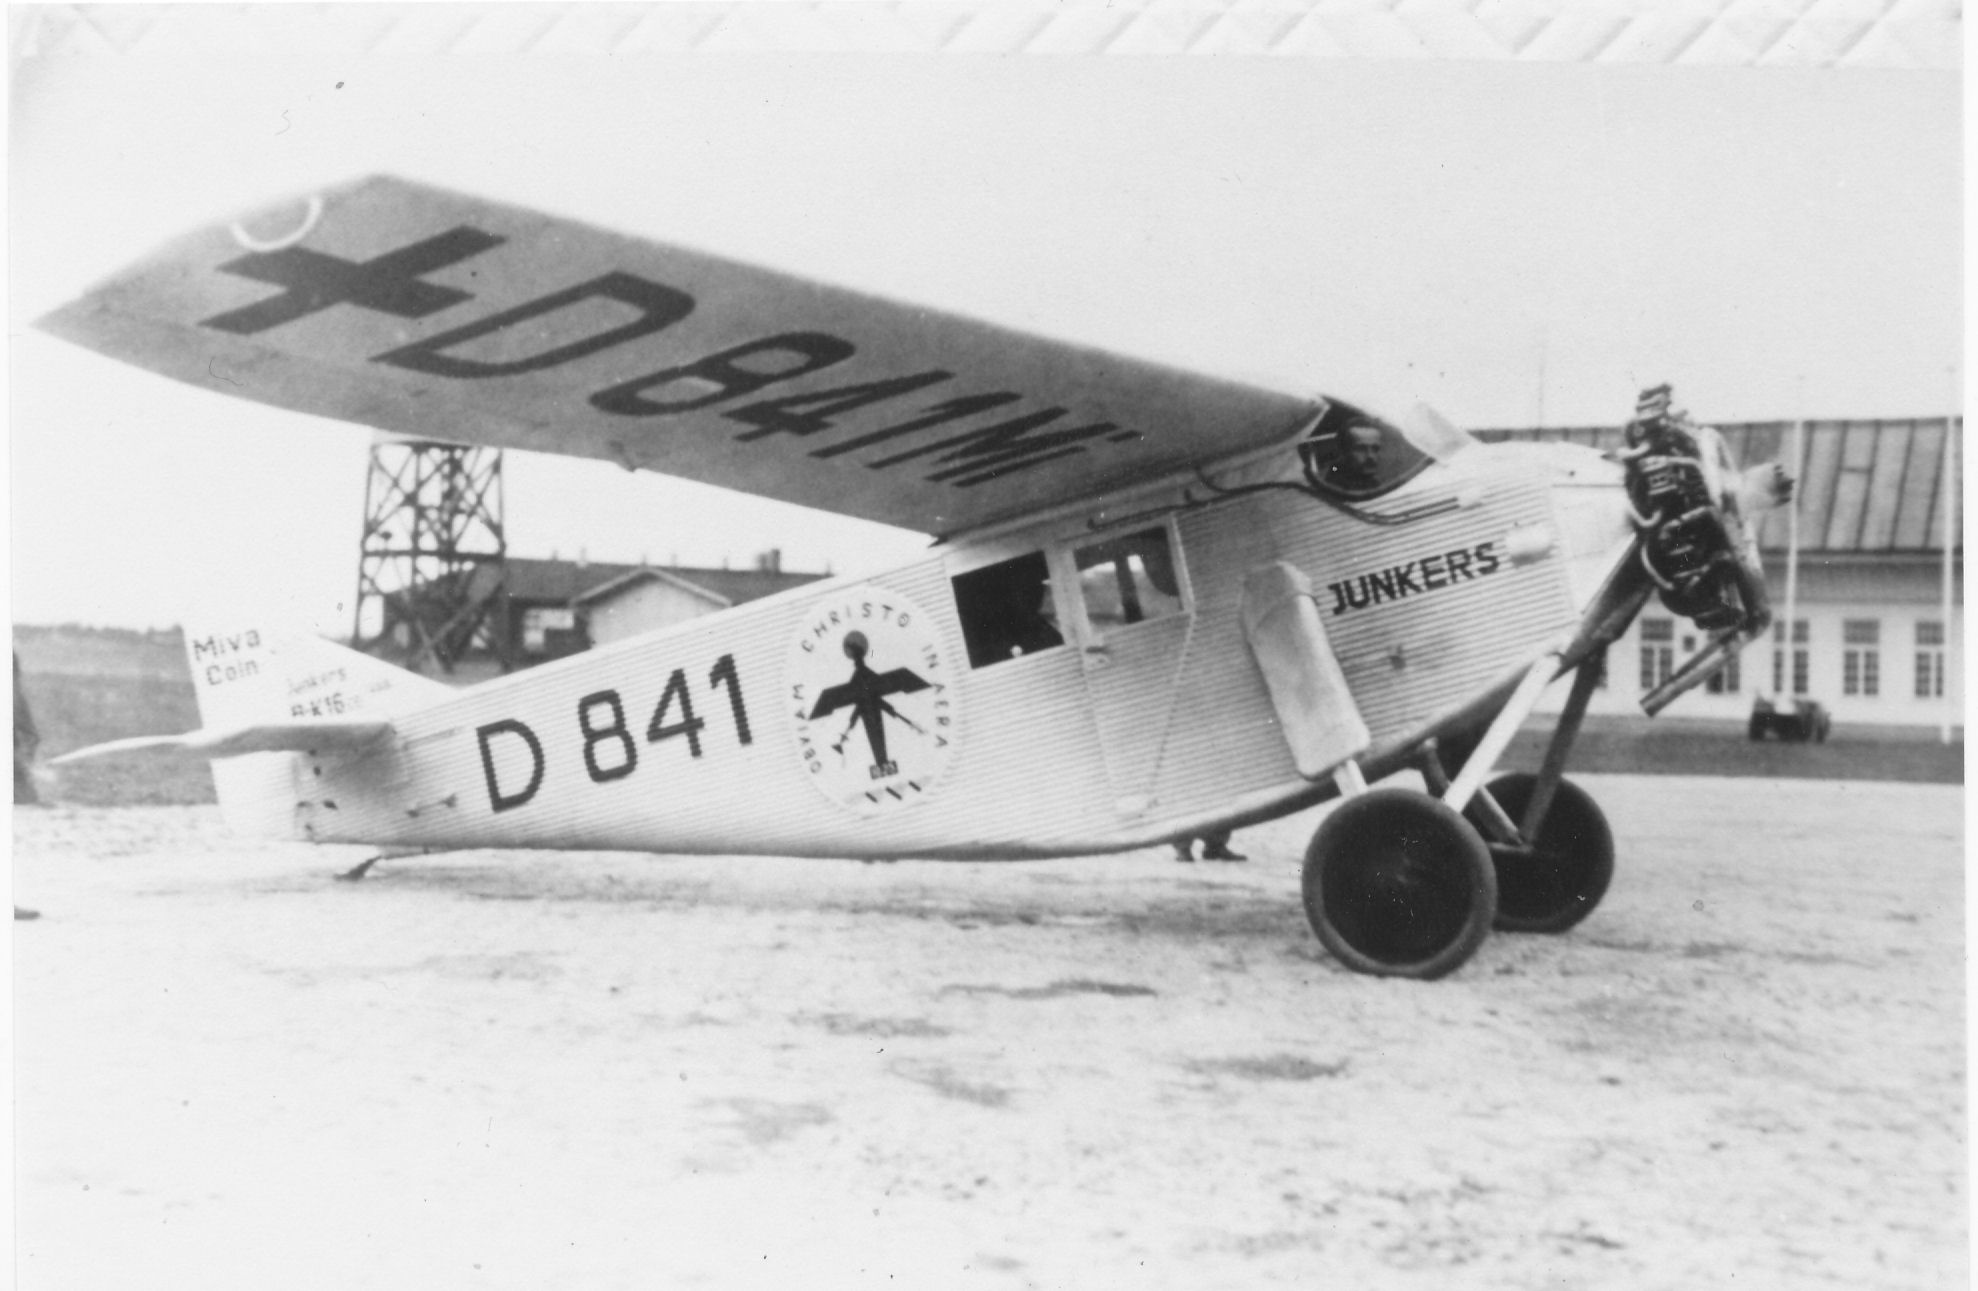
<point>1355,463</point>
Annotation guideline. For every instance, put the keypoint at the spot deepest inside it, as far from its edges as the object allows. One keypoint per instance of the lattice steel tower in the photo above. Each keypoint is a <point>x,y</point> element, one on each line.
<point>432,563</point>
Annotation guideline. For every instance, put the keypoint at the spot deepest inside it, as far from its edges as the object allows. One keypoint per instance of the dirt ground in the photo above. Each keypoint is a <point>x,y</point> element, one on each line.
<point>517,1070</point>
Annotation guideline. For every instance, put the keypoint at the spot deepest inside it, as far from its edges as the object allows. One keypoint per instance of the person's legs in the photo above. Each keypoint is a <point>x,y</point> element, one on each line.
<point>1215,847</point>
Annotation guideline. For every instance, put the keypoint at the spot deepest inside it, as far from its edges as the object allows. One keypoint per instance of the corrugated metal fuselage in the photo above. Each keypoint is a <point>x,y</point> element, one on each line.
<point>729,734</point>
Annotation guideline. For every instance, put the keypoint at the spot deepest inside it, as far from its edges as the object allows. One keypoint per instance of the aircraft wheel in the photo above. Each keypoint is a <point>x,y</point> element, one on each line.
<point>1398,885</point>
<point>1561,880</point>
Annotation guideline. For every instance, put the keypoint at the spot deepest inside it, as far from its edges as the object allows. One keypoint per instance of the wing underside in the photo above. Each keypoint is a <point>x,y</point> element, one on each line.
<point>436,315</point>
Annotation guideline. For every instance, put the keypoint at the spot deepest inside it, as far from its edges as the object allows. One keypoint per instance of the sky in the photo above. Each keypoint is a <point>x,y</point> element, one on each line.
<point>1513,243</point>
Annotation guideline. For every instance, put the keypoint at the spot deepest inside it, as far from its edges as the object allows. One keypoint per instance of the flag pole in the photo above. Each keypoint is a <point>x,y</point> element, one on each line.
<point>1792,557</point>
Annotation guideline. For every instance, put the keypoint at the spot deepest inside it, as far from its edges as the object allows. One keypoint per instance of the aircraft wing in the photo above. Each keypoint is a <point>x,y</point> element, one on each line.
<point>439,316</point>
<point>321,735</point>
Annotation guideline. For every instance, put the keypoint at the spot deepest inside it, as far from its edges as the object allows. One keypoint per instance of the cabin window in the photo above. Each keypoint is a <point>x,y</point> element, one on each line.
<point>1006,610</point>
<point>1128,579</point>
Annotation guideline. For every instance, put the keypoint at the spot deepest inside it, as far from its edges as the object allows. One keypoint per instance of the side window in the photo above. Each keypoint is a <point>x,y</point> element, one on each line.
<point>1128,579</point>
<point>1006,610</point>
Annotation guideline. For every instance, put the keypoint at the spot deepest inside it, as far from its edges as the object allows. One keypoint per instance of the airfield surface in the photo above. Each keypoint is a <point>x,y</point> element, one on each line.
<point>527,1071</point>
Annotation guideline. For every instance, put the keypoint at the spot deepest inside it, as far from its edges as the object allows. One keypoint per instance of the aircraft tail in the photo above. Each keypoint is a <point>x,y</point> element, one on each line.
<point>270,689</point>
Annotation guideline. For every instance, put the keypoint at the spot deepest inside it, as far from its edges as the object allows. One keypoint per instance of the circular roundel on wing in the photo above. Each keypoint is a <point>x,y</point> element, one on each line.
<point>872,699</point>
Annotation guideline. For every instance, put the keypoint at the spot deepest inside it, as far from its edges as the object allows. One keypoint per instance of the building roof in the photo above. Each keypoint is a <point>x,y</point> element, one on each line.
<point>1863,486</point>
<point>561,582</point>
<point>738,585</point>
<point>616,586</point>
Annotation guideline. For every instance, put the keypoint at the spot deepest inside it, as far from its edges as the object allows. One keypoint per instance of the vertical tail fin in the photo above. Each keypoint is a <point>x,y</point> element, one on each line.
<point>244,673</point>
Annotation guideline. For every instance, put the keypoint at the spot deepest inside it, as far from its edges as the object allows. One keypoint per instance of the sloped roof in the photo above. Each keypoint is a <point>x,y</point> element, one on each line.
<point>1863,486</point>
<point>561,582</point>
<point>738,585</point>
<point>615,586</point>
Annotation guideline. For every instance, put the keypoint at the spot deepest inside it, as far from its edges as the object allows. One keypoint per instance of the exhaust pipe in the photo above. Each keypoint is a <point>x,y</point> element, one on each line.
<point>1699,668</point>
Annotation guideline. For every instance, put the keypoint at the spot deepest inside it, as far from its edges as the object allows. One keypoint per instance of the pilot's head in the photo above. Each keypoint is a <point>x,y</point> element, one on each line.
<point>856,646</point>
<point>1360,462</point>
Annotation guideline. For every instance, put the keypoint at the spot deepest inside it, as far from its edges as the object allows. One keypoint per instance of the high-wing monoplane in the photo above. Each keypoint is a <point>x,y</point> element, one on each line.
<point>1159,604</point>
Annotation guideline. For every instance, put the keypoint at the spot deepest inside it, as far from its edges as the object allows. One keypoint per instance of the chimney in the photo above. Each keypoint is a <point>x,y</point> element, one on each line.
<point>771,561</point>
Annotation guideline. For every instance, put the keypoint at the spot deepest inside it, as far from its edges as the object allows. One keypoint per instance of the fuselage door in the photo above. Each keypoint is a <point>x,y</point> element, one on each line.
<point>1132,616</point>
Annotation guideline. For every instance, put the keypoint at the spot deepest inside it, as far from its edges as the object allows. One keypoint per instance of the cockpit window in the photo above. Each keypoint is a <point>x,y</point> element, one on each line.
<point>1353,456</point>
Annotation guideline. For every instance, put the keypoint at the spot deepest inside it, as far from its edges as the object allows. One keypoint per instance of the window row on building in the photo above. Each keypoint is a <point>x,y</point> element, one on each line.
<point>1861,657</point>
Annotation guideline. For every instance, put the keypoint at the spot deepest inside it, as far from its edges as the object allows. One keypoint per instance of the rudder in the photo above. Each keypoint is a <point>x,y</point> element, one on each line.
<point>245,673</point>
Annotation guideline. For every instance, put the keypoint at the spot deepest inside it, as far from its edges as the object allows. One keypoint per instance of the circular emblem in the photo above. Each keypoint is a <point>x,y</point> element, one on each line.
<point>872,700</point>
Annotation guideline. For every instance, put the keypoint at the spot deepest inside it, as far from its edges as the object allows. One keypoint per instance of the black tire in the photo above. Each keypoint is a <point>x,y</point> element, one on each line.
<point>1566,874</point>
<point>1398,885</point>
<point>1757,728</point>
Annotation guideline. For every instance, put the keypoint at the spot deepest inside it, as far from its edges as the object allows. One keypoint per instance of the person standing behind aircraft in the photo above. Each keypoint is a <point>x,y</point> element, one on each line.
<point>26,740</point>
<point>1215,847</point>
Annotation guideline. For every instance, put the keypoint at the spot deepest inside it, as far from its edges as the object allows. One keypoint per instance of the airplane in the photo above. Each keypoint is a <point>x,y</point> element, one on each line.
<point>1157,604</point>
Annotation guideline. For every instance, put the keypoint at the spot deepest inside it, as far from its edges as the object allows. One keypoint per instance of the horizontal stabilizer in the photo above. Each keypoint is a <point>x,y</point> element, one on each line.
<point>321,735</point>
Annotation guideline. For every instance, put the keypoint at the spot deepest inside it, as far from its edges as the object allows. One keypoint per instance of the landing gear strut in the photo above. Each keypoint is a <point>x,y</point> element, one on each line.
<point>1548,841</point>
<point>1405,884</point>
<point>1555,879</point>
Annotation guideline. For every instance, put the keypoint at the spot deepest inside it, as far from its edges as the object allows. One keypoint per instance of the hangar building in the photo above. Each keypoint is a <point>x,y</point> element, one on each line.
<point>1870,641</point>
